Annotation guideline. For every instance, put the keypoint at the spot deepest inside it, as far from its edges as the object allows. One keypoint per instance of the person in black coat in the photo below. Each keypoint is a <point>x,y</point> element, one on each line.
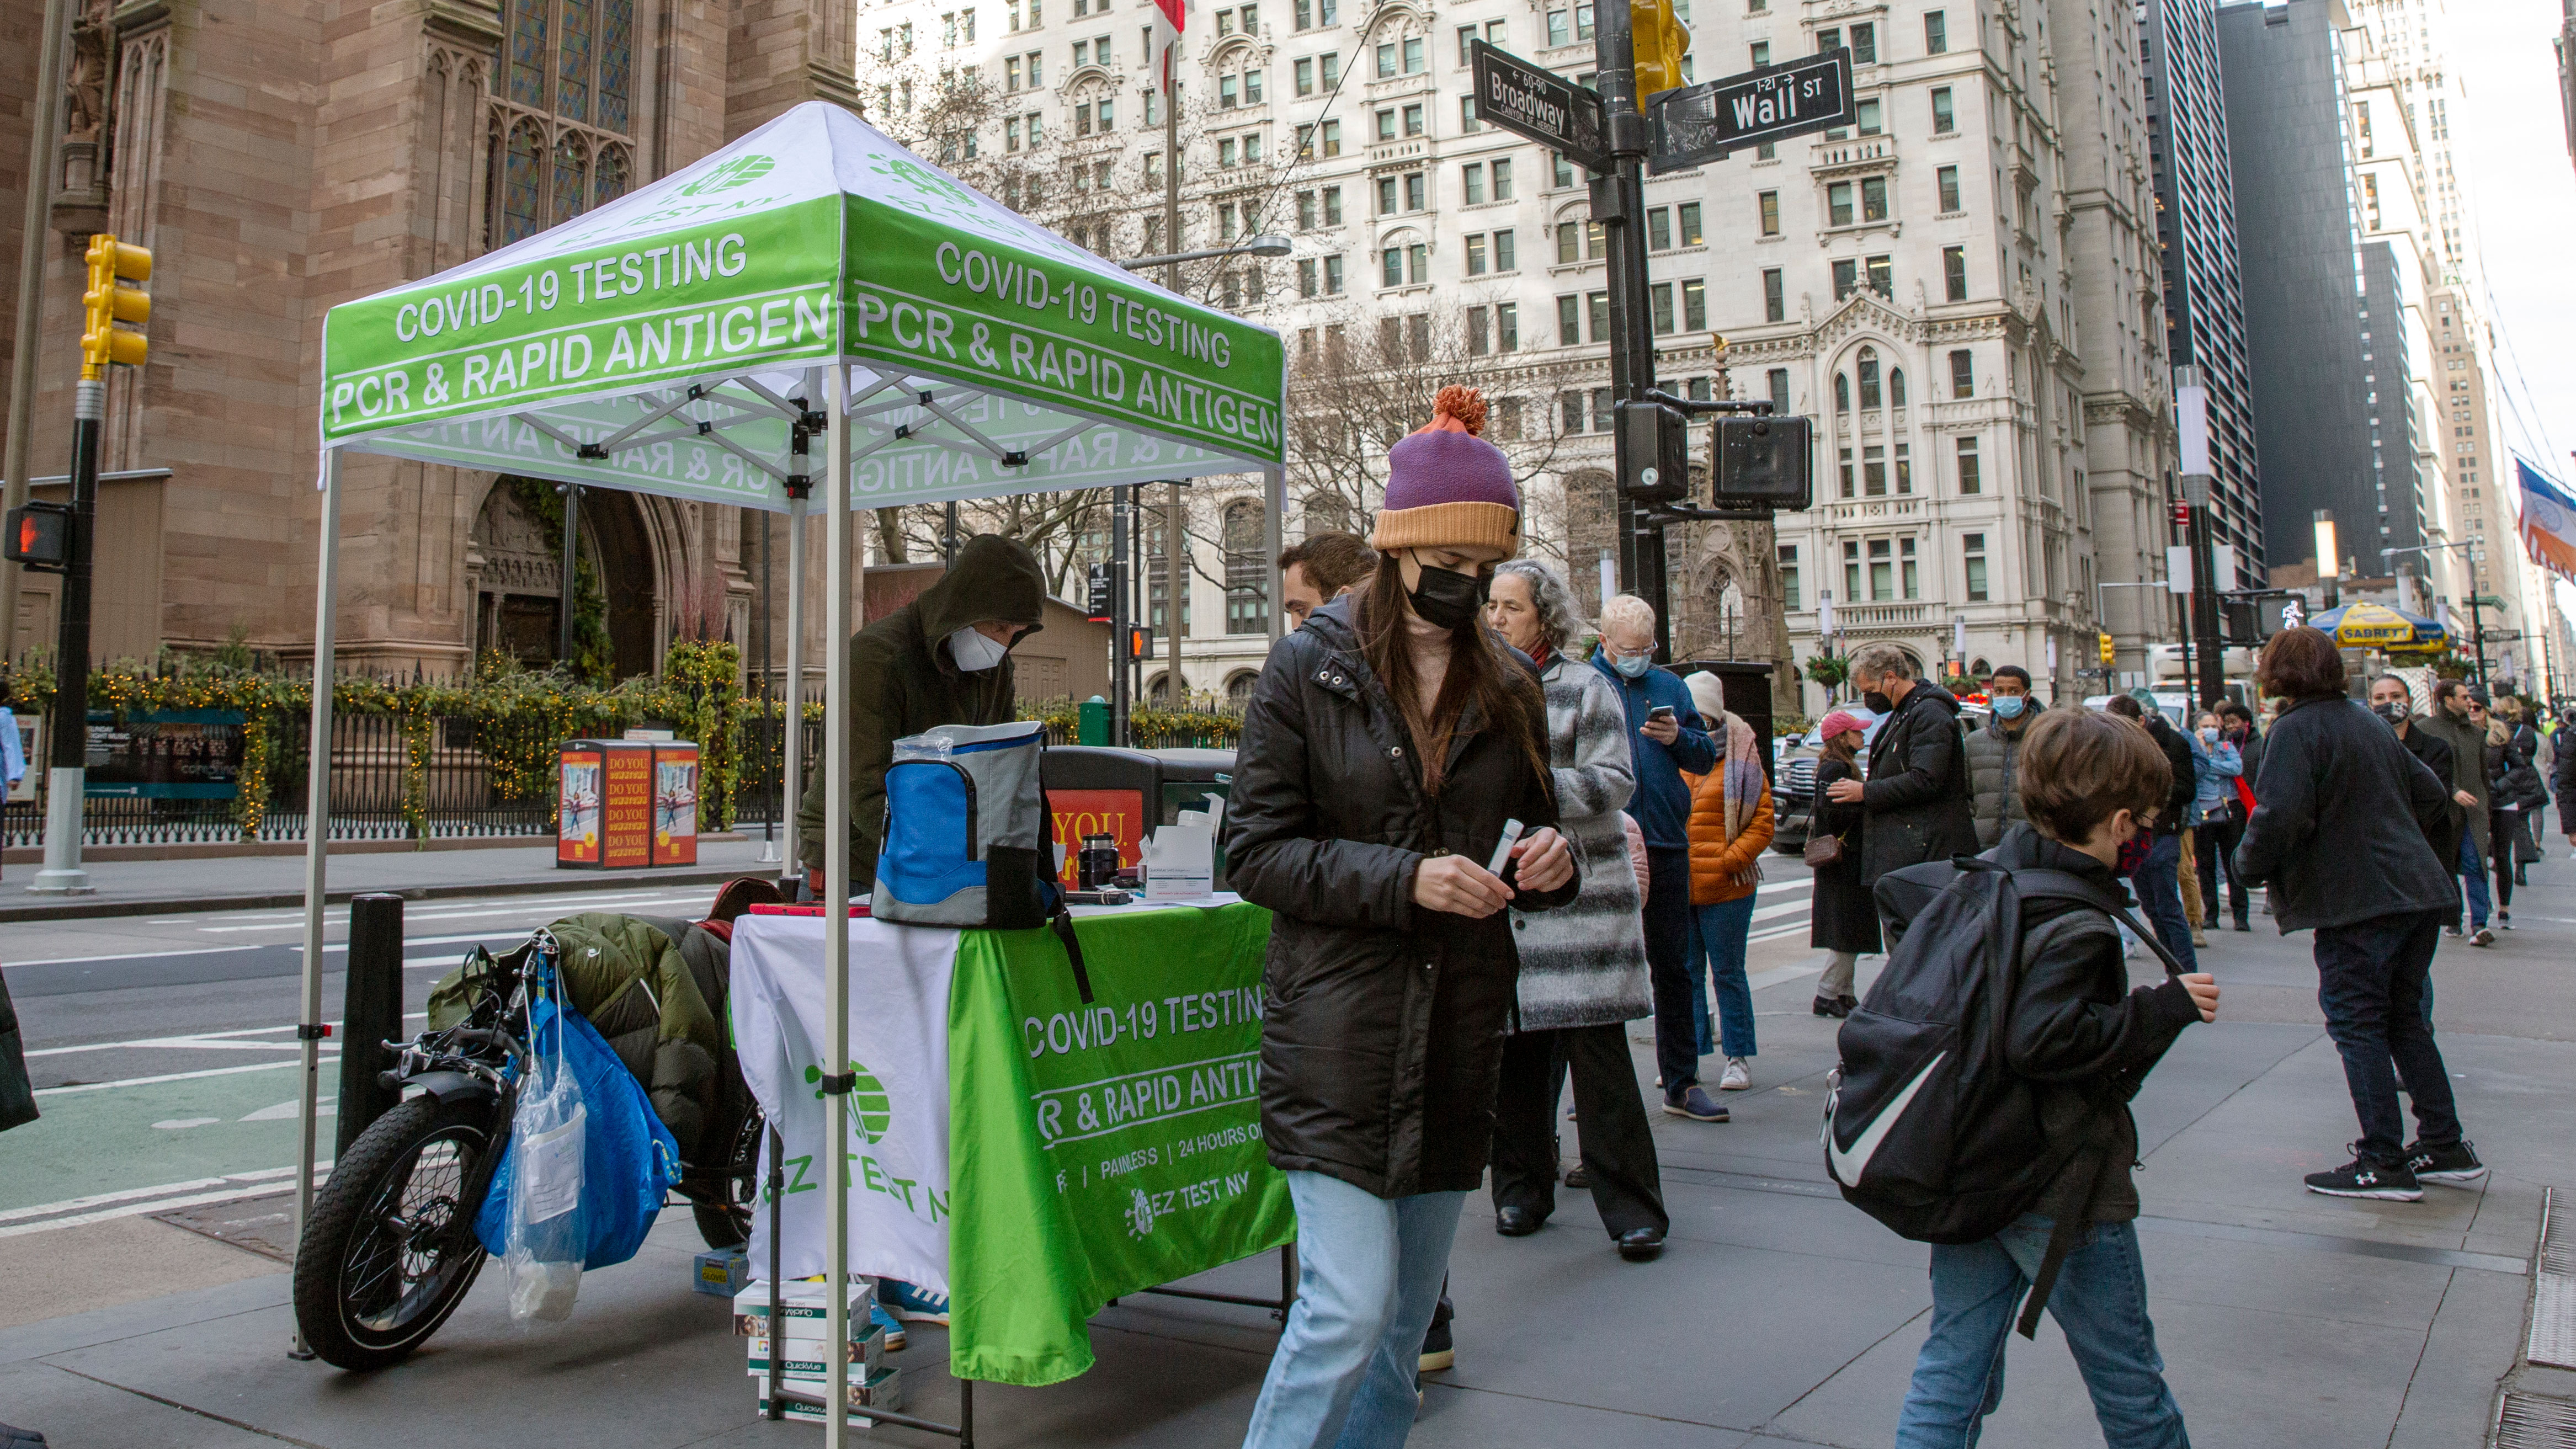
<point>2392,700</point>
<point>1387,742</point>
<point>2341,816</point>
<point>2159,879</point>
<point>1845,921</point>
<point>1920,800</point>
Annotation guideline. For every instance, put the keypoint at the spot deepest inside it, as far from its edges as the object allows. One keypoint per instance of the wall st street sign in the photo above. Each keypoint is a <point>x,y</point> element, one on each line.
<point>1702,123</point>
<point>1540,104</point>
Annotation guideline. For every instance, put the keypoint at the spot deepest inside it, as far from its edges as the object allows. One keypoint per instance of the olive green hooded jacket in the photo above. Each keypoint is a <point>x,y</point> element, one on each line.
<point>902,681</point>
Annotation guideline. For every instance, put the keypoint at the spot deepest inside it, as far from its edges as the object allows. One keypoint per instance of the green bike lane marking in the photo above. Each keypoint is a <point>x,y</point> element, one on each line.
<point>102,1139</point>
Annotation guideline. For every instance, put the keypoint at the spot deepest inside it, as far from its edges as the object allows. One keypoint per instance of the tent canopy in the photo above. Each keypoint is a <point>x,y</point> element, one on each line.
<point>672,342</point>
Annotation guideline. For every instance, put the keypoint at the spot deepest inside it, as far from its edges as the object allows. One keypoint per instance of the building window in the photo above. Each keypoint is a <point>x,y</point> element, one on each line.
<point>1761,53</point>
<point>1659,229</point>
<point>1775,305</point>
<point>1904,456</point>
<point>1767,207</point>
<point>1659,301</point>
<point>1963,373</point>
<point>1971,473</point>
<point>1507,327</point>
<point>1569,322</point>
<point>1936,33</point>
<point>1597,304</point>
<point>1954,273</point>
<point>1846,278</point>
<point>1944,117</point>
<point>1867,117</point>
<point>1413,120</point>
<point>1842,397</point>
<point>1694,305</point>
<point>1947,178</point>
<point>1907,579</point>
<point>1896,399</point>
<point>1247,569</point>
<point>1973,547</point>
<point>1503,180</point>
<point>1601,416</point>
<point>569,73</point>
<point>1882,275</point>
<point>1864,44</point>
<point>1852,591</point>
<point>1480,336</point>
<point>1850,488</point>
<point>1789,593</point>
<point>1778,382</point>
<point>1873,198</point>
<point>1873,471</point>
<point>1870,398</point>
<point>1838,203</point>
<point>1506,252</point>
<point>1471,183</point>
<point>1333,276</point>
<point>1687,215</point>
<point>1417,189</point>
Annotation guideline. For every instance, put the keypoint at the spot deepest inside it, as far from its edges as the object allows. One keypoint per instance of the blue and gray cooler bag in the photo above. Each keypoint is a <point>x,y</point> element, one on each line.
<point>966,832</point>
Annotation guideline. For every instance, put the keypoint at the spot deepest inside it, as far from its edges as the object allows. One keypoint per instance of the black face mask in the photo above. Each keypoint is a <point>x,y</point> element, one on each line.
<point>1448,599</point>
<point>2391,711</point>
<point>1877,702</point>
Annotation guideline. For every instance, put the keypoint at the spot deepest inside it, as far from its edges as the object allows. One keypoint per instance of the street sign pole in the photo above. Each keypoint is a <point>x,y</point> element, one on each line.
<point>67,734</point>
<point>1618,204</point>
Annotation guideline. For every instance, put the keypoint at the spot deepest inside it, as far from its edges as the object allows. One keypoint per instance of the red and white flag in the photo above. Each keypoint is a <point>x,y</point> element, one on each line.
<point>1169,18</point>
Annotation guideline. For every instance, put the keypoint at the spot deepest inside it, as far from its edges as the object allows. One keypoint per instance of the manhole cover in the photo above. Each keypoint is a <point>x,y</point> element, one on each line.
<point>263,1225</point>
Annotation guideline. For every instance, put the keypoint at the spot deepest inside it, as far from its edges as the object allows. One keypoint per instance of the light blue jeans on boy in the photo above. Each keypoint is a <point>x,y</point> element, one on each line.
<point>1369,1271</point>
<point>2100,1302</point>
<point>1717,949</point>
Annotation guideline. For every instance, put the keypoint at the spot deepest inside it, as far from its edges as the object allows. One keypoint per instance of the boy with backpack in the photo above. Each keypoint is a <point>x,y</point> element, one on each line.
<point>2007,971</point>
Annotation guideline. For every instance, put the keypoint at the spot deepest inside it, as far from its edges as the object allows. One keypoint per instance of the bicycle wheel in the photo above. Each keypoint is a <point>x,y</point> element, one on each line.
<point>728,1224</point>
<point>379,1268</point>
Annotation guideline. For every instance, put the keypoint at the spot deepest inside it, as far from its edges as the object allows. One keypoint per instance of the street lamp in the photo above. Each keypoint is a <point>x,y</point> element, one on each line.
<point>2329,558</point>
<point>1259,246</point>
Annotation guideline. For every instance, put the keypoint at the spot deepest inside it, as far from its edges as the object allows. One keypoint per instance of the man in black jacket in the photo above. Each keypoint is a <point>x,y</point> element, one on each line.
<point>2341,817</point>
<point>2392,700</point>
<point>2159,880</point>
<point>2078,1027</point>
<point>1920,801</point>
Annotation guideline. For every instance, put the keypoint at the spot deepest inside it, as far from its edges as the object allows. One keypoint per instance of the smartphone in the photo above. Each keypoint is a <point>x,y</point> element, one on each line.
<point>1661,711</point>
<point>1503,849</point>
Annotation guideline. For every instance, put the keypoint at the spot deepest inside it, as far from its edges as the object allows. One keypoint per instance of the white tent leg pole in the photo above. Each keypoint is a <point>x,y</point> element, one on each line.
<point>838,526</point>
<point>317,851</point>
<point>1274,529</point>
<point>791,779</point>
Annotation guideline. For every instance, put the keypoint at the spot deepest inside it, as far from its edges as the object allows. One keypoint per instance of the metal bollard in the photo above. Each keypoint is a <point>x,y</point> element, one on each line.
<point>371,1012</point>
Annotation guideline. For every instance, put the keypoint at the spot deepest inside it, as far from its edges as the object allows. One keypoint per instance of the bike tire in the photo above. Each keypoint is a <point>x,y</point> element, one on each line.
<point>728,1224</point>
<point>343,1251</point>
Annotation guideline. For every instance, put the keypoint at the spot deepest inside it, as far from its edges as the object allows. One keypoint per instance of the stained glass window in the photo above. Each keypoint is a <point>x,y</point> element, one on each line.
<point>572,62</point>
<point>617,61</point>
<point>571,165</point>
<point>521,174</point>
<point>608,179</point>
<point>528,53</point>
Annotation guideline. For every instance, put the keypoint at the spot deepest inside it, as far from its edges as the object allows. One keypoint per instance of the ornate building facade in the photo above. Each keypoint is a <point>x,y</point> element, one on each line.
<point>279,158</point>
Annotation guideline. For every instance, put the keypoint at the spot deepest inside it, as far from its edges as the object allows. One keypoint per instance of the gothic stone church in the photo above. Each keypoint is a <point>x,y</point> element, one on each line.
<point>283,156</point>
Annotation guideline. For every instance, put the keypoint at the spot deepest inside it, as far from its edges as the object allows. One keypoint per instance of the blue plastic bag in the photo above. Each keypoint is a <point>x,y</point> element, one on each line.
<point>630,1161</point>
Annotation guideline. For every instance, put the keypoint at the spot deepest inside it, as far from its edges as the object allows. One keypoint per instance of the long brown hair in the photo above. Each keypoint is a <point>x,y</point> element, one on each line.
<point>1480,670</point>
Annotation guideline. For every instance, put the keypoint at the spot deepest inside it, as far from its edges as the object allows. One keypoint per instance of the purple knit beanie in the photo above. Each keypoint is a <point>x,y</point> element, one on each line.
<point>1448,487</point>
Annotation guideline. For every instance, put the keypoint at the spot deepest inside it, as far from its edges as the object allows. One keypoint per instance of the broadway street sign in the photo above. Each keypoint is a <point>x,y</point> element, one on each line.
<point>1702,123</point>
<point>1537,103</point>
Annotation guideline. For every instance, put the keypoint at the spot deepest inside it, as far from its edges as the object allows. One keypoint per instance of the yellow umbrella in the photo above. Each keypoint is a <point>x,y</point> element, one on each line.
<point>2365,625</point>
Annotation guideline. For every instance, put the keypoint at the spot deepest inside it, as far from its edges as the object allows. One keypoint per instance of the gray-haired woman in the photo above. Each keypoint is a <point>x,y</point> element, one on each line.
<point>1583,966</point>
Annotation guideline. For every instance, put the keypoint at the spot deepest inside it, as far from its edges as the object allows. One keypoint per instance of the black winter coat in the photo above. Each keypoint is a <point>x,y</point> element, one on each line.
<point>1382,1030</point>
<point>2514,776</point>
<point>1921,803</point>
<point>2341,817</point>
<point>2176,813</point>
<point>1844,919</point>
<point>2435,755</point>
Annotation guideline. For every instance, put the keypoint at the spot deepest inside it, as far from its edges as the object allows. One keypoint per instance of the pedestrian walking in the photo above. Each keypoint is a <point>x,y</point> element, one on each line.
<point>2562,777</point>
<point>2515,796</point>
<point>1385,745</point>
<point>1843,921</point>
<point>1917,798</point>
<point>2158,877</point>
<point>2342,811</point>
<point>1730,827</point>
<point>2449,720</point>
<point>2393,700</point>
<point>1583,966</point>
<point>2217,765</point>
<point>1994,752</point>
<point>2084,1039</point>
<point>1666,736</point>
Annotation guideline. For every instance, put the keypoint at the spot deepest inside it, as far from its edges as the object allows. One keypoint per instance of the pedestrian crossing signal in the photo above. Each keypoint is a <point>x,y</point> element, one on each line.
<point>2110,650</point>
<point>1140,643</point>
<point>40,536</point>
<point>109,301</point>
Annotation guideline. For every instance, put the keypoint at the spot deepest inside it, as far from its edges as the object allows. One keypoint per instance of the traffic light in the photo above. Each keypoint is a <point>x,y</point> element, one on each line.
<point>112,264</point>
<point>1098,594</point>
<point>1657,439</point>
<point>2110,650</point>
<point>40,536</point>
<point>1765,461</point>
<point>1661,42</point>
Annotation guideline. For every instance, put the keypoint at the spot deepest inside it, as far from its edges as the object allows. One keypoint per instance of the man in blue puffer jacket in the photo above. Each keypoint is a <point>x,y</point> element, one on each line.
<point>1662,748</point>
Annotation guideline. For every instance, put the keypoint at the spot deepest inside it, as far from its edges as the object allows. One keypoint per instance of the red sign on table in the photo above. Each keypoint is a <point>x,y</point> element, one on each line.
<point>1119,814</point>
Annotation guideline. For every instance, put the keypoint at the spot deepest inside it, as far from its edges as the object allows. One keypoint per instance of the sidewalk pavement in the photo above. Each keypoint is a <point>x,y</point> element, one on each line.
<point>1779,1315</point>
<point>274,882</point>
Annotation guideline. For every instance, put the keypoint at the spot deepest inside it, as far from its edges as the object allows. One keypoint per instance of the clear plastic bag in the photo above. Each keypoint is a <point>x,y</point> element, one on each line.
<point>547,1238</point>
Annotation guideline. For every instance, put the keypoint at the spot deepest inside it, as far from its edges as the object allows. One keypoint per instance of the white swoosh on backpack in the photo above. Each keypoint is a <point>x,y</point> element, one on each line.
<point>1848,1166</point>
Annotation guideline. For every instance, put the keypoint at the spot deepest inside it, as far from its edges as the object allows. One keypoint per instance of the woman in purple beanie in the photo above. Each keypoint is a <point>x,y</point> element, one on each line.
<point>1388,745</point>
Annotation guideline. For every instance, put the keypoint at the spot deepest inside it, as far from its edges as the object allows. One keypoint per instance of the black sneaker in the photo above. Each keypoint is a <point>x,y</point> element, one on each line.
<point>2482,937</point>
<point>1438,1351</point>
<point>1695,1103</point>
<point>2362,1177</point>
<point>2456,1164</point>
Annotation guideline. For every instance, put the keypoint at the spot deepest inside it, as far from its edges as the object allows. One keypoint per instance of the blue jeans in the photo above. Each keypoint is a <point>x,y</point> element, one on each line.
<point>2370,976</point>
<point>2100,1302</point>
<point>1717,954</point>
<point>2473,873</point>
<point>1368,1278</point>
<point>2159,883</point>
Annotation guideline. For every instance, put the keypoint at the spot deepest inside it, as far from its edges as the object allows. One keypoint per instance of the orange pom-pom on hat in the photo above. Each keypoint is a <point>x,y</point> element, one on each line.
<point>1446,486</point>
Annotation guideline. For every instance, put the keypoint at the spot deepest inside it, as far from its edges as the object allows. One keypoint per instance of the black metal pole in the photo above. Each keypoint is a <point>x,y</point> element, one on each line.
<point>1122,508</point>
<point>1618,204</point>
<point>66,779</point>
<point>2204,605</point>
<point>768,825</point>
<point>571,543</point>
<point>371,1012</point>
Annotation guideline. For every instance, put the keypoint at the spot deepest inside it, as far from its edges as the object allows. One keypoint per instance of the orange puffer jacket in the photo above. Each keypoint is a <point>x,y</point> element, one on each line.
<point>1724,870</point>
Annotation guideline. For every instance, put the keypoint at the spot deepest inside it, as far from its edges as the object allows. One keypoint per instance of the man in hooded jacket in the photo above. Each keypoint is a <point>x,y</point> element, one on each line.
<point>943,659</point>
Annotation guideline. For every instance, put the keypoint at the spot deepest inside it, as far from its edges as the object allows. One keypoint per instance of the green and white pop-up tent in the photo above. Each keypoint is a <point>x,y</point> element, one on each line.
<point>813,305</point>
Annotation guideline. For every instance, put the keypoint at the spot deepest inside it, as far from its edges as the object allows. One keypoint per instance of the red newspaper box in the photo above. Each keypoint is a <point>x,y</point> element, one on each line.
<point>606,812</point>
<point>675,803</point>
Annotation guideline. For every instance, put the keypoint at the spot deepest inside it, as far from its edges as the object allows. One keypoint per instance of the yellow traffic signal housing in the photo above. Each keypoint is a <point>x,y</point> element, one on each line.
<point>113,264</point>
<point>1661,42</point>
<point>2110,650</point>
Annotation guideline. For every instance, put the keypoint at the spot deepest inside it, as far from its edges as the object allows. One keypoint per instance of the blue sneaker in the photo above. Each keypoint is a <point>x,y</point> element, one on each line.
<point>1695,1103</point>
<point>878,1317</point>
<point>912,1304</point>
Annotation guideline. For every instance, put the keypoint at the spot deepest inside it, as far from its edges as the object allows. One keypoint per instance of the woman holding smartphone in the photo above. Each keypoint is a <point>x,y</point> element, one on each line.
<point>1384,748</point>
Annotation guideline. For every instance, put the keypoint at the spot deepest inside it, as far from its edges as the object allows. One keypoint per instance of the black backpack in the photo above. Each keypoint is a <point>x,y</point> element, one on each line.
<point>1927,1127</point>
